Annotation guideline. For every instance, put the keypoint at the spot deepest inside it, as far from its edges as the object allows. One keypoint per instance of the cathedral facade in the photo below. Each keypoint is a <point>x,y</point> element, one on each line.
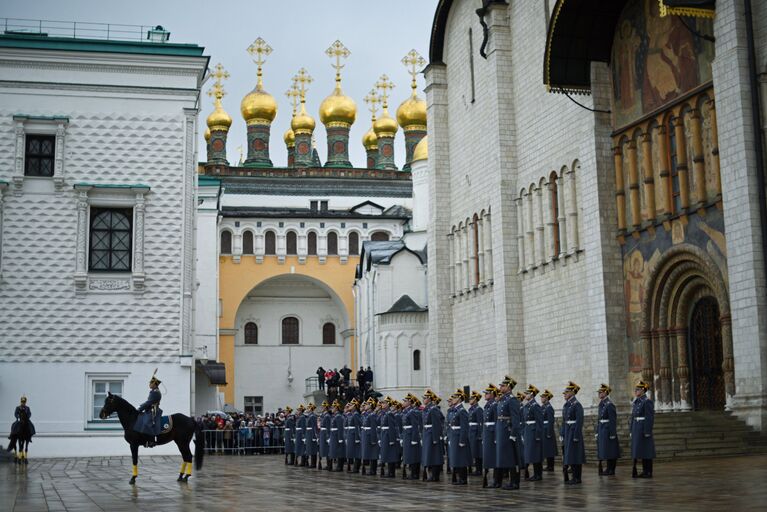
<point>601,224</point>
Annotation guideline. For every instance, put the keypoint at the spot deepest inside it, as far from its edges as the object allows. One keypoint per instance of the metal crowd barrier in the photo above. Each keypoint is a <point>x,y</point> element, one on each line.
<point>247,441</point>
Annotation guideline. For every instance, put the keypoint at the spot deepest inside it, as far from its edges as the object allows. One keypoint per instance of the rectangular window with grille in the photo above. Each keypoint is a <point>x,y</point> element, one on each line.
<point>99,393</point>
<point>39,155</point>
<point>111,237</point>
<point>254,404</point>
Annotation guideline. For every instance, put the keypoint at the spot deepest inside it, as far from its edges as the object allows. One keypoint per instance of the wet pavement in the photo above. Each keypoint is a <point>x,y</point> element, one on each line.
<point>263,482</point>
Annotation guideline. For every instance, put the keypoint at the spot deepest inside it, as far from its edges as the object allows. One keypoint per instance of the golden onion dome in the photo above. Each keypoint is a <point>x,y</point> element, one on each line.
<point>385,126</point>
<point>258,107</point>
<point>421,151</point>
<point>289,137</point>
<point>303,122</point>
<point>219,119</point>
<point>370,140</point>
<point>411,114</point>
<point>338,109</point>
<point>207,135</point>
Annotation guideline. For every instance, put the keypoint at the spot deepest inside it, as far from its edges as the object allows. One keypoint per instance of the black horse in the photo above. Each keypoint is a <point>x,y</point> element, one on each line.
<point>182,430</point>
<point>21,435</point>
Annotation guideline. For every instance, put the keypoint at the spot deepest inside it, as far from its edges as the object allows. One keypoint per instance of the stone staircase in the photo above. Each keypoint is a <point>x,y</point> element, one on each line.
<point>689,434</point>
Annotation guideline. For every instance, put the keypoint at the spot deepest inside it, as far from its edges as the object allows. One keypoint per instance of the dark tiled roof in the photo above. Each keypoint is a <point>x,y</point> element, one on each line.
<point>318,186</point>
<point>404,305</point>
<point>295,213</point>
<point>215,371</point>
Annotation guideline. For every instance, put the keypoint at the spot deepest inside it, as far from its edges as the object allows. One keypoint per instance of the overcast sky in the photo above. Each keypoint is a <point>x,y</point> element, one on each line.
<point>377,33</point>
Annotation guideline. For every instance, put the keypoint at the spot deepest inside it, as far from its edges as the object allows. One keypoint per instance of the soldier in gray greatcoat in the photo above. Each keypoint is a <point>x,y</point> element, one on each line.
<point>411,437</point>
<point>507,435</point>
<point>290,435</point>
<point>549,438</point>
<point>389,437</point>
<point>352,439</point>
<point>432,457</point>
<point>336,448</point>
<point>324,438</point>
<point>534,434</point>
<point>458,438</point>
<point>476,417</point>
<point>301,437</point>
<point>312,432</point>
<point>572,418</point>
<point>608,447</point>
<point>369,437</point>
<point>488,436</point>
<point>642,420</point>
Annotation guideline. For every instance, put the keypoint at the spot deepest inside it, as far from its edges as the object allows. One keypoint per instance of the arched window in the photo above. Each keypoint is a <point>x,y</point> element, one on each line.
<point>329,334</point>
<point>312,243</point>
<point>270,243</point>
<point>475,248</point>
<point>554,212</point>
<point>290,242</point>
<point>290,330</point>
<point>332,243</point>
<point>380,236</point>
<point>251,334</point>
<point>354,243</point>
<point>247,242</point>
<point>416,360</point>
<point>226,242</point>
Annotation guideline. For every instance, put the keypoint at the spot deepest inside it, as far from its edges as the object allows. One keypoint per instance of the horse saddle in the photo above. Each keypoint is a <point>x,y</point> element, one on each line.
<point>167,424</point>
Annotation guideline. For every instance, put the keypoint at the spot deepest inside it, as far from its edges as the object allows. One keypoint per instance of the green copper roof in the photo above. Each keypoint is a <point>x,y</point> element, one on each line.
<point>110,185</point>
<point>43,42</point>
<point>203,181</point>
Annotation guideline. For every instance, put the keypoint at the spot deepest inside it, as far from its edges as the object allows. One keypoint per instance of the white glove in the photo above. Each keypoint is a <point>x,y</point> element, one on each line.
<point>461,445</point>
<point>561,439</point>
<point>612,437</point>
<point>596,436</point>
<point>413,442</point>
<point>513,438</point>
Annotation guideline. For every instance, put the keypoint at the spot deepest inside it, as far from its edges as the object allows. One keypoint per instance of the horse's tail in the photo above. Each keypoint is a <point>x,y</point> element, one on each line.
<point>199,446</point>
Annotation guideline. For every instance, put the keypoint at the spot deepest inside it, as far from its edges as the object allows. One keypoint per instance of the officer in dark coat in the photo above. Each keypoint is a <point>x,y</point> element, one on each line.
<point>507,435</point>
<point>301,437</point>
<point>336,449</point>
<point>458,438</point>
<point>290,436</point>
<point>324,438</point>
<point>312,435</point>
<point>380,420</point>
<point>476,418</point>
<point>148,421</point>
<point>572,418</point>
<point>549,437</point>
<point>369,437</point>
<point>488,435</point>
<point>608,447</point>
<point>24,409</point>
<point>521,441</point>
<point>353,436</point>
<point>432,456</point>
<point>389,437</point>
<point>534,434</point>
<point>411,437</point>
<point>642,420</point>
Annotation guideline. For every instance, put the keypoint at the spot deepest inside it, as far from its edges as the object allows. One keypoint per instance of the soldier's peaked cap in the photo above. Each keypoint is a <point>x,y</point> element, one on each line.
<point>508,381</point>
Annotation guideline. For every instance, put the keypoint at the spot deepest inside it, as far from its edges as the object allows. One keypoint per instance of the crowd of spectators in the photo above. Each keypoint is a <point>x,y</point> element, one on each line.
<point>243,434</point>
<point>338,384</point>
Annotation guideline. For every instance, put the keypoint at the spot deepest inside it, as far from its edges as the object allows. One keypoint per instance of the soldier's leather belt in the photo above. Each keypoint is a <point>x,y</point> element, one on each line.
<point>546,422</point>
<point>427,426</point>
<point>384,428</point>
<point>571,422</point>
<point>456,428</point>
<point>489,423</point>
<point>530,422</point>
<point>504,418</point>
<point>366,428</point>
<point>473,423</point>
<point>333,429</point>
<point>639,418</point>
<point>604,421</point>
<point>407,427</point>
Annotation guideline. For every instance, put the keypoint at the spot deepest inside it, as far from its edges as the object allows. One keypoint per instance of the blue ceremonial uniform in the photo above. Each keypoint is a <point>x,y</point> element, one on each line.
<point>488,434</point>
<point>324,439</point>
<point>549,439</point>
<point>353,425</point>
<point>607,431</point>
<point>642,420</point>
<point>458,437</point>
<point>389,438</point>
<point>572,420</point>
<point>290,434</point>
<point>16,426</point>
<point>311,434</point>
<point>148,422</point>
<point>411,437</point>
<point>476,418</point>
<point>301,436</point>
<point>534,433</point>
<point>431,454</point>
<point>336,448</point>
<point>369,438</point>
<point>507,433</point>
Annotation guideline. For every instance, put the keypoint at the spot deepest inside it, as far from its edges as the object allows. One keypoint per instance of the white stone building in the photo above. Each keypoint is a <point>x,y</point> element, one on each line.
<point>97,167</point>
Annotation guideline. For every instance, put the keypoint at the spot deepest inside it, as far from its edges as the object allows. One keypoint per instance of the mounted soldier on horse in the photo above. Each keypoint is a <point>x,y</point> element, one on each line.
<point>22,431</point>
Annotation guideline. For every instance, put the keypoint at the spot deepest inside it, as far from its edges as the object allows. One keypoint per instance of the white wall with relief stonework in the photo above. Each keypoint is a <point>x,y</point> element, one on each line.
<point>126,126</point>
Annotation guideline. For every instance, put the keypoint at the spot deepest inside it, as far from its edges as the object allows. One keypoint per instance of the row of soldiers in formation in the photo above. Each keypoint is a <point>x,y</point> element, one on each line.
<point>510,434</point>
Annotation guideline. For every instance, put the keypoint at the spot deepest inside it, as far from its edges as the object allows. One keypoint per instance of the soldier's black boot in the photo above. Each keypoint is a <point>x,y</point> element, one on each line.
<point>549,464</point>
<point>537,472</point>
<point>566,473</point>
<point>364,467</point>
<point>438,472</point>
<point>357,465</point>
<point>454,479</point>
<point>383,467</point>
<point>372,468</point>
<point>610,467</point>
<point>415,470</point>
<point>404,471</point>
<point>497,478</point>
<point>577,472</point>
<point>646,468</point>
<point>513,480</point>
<point>329,463</point>
<point>391,468</point>
<point>527,473</point>
<point>317,463</point>
<point>601,471</point>
<point>477,468</point>
<point>463,476</point>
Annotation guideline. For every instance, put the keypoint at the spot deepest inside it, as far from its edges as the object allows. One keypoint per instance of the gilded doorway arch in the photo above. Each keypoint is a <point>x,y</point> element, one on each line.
<point>683,277</point>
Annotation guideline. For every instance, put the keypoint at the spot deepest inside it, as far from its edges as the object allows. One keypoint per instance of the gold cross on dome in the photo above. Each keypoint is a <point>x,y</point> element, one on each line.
<point>413,61</point>
<point>294,96</point>
<point>259,51</point>
<point>372,100</point>
<point>337,50</point>
<point>219,73</point>
<point>302,80</point>
<point>384,85</point>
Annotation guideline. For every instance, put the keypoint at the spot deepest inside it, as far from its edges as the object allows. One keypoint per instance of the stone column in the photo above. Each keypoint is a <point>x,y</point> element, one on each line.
<point>481,249</point>
<point>683,370</point>
<point>451,261</point>
<point>715,148</point>
<point>520,234</point>
<point>466,255</point>
<point>139,215</point>
<point>649,176</point>
<point>473,255</point>
<point>550,220</point>
<point>562,217</point>
<point>338,145</point>
<point>664,172</point>
<point>488,241</point>
<point>681,161</point>
<point>636,213</point>
<point>620,187</point>
<point>458,262</point>
<point>647,362</point>
<point>3,186</point>
<point>530,245</point>
<point>258,144</point>
<point>665,370</point>
<point>698,163</point>
<point>81,269</point>
<point>728,360</point>
<point>573,242</point>
<point>539,237</point>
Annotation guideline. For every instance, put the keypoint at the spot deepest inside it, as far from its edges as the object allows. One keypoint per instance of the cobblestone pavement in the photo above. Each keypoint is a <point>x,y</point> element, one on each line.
<point>246,483</point>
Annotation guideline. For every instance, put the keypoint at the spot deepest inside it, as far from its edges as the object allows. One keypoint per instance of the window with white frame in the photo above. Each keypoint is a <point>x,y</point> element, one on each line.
<point>39,149</point>
<point>99,386</point>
